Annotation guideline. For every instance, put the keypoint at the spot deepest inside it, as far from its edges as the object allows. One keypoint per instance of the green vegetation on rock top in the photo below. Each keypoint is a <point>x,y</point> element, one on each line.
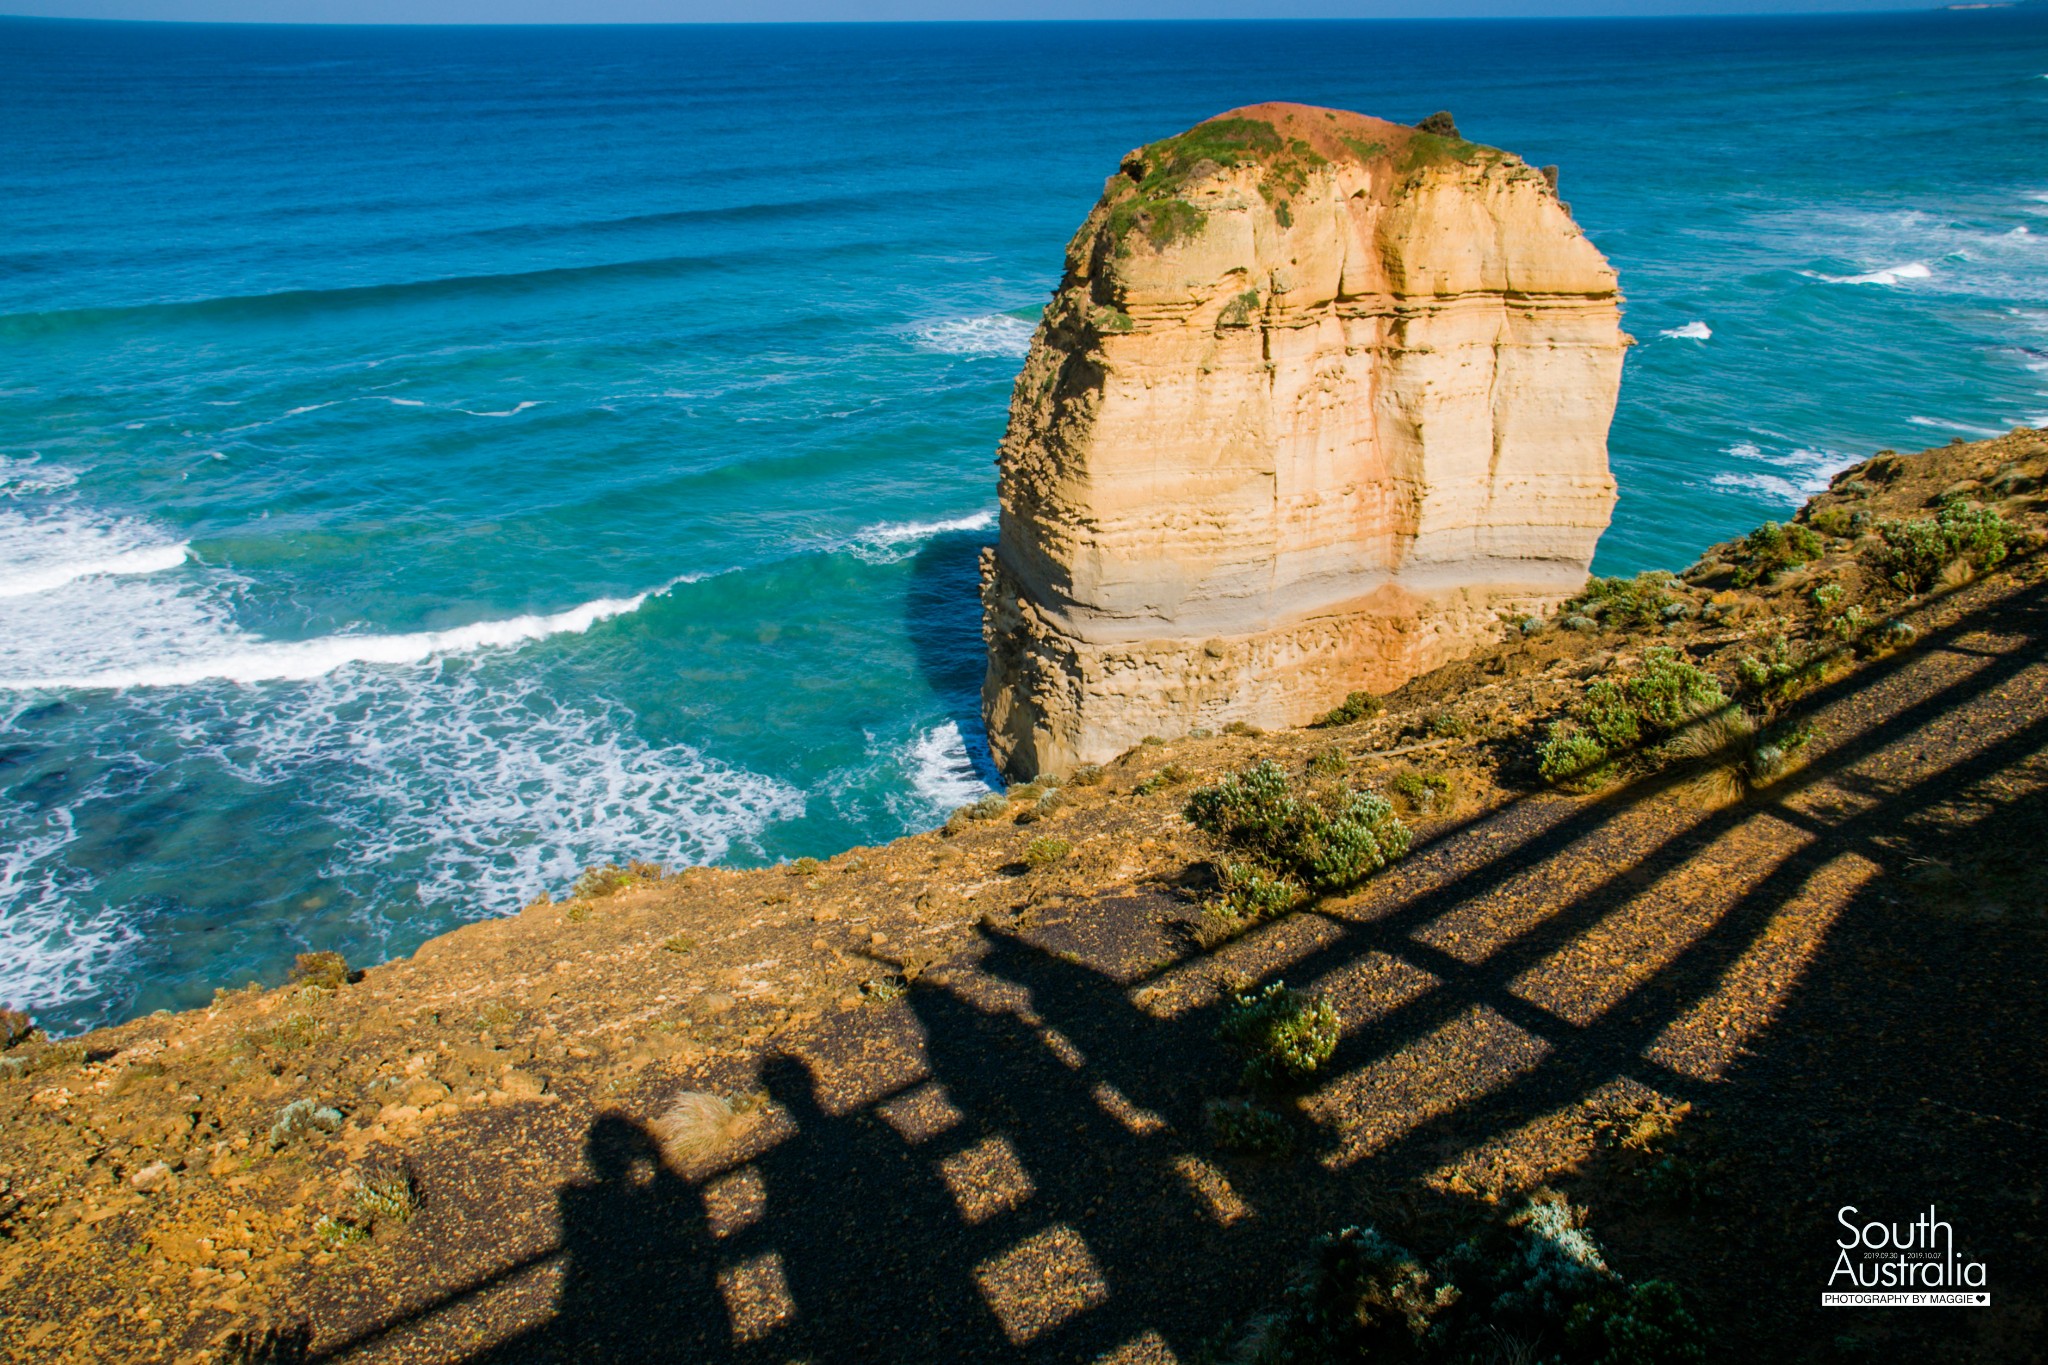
<point>1163,169</point>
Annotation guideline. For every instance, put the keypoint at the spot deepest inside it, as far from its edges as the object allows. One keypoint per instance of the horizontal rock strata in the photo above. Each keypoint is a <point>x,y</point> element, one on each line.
<point>1319,398</point>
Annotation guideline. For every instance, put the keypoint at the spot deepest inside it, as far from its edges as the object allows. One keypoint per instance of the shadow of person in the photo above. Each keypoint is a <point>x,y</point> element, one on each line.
<point>873,1247</point>
<point>639,1282</point>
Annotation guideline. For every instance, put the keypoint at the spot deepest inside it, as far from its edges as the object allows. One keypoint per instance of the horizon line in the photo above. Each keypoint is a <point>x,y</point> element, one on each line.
<point>1973,8</point>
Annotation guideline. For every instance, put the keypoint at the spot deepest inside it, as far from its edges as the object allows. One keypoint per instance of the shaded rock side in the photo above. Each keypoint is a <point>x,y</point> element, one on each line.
<point>1319,398</point>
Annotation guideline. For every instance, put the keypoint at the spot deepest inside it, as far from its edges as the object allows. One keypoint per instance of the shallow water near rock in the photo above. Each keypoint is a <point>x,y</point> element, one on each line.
<point>433,461</point>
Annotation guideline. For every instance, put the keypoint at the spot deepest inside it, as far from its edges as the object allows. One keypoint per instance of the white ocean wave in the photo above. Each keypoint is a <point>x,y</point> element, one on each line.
<point>1692,331</point>
<point>482,791</point>
<point>51,951</point>
<point>1770,485</point>
<point>1963,428</point>
<point>203,644</point>
<point>1793,475</point>
<point>54,948</point>
<point>27,478</point>
<point>889,541</point>
<point>512,411</point>
<point>53,545</point>
<point>918,779</point>
<point>392,399</point>
<point>42,577</point>
<point>941,772</point>
<point>86,602</point>
<point>1889,275</point>
<point>991,334</point>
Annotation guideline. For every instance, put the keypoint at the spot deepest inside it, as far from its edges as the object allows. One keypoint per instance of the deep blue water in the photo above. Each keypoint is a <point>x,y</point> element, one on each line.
<point>434,460</point>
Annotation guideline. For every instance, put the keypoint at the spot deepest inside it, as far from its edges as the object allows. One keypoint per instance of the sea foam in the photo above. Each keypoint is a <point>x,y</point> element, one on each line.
<point>51,952</point>
<point>940,770</point>
<point>1962,428</point>
<point>1792,475</point>
<point>1692,331</point>
<point>39,553</point>
<point>1890,275</point>
<point>477,788</point>
<point>992,334</point>
<point>28,477</point>
<point>889,541</point>
<point>240,657</point>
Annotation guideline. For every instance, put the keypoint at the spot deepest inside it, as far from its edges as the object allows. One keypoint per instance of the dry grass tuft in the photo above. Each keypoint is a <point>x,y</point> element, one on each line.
<point>1721,743</point>
<point>695,1126</point>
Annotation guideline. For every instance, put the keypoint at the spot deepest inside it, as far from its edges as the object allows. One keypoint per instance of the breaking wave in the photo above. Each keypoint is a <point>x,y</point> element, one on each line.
<point>1791,476</point>
<point>234,655</point>
<point>992,334</point>
<point>889,541</point>
<point>1911,270</point>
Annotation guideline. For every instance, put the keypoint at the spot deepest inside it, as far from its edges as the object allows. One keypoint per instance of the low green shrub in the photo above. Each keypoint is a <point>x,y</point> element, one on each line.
<point>1285,1034</point>
<point>1737,755</point>
<point>1913,554</point>
<point>1777,673</point>
<point>1622,603</point>
<point>806,867</point>
<point>1046,852</point>
<point>1326,763</point>
<point>16,1027</point>
<point>1534,1287</point>
<point>1616,715</point>
<point>1423,791</point>
<point>1243,1126</point>
<point>382,1198</point>
<point>1240,311</point>
<point>1250,893</point>
<point>611,878</point>
<point>1325,841</point>
<point>992,805</point>
<point>1772,548</point>
<point>292,1033</point>
<point>1087,775</point>
<point>336,1233</point>
<point>1170,775</point>
<point>1355,707</point>
<point>329,971</point>
<point>1243,728</point>
<point>1838,522</point>
<point>303,1118</point>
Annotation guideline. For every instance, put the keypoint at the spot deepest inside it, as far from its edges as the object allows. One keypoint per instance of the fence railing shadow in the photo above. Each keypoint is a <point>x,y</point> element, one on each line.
<point>1065,1203</point>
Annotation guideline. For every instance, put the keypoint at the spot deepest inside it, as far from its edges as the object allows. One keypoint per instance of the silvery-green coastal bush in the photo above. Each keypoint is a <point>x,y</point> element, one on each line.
<point>1537,1281</point>
<point>1288,842</point>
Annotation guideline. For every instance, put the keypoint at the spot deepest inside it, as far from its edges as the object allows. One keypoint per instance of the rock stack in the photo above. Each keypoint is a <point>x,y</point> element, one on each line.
<point>1319,400</point>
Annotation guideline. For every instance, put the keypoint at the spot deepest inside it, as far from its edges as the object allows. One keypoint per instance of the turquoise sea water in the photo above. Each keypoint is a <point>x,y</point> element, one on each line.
<point>432,461</point>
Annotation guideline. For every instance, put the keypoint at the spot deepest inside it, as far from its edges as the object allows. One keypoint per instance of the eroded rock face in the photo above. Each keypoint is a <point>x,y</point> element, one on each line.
<point>1319,399</point>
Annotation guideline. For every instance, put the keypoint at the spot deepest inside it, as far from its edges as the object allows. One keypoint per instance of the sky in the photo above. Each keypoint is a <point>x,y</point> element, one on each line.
<point>714,11</point>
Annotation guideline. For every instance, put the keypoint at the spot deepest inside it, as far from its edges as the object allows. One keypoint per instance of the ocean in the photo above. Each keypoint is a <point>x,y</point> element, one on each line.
<point>433,461</point>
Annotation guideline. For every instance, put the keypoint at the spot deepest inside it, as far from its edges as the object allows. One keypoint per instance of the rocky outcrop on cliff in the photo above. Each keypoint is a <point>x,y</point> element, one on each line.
<point>1319,398</point>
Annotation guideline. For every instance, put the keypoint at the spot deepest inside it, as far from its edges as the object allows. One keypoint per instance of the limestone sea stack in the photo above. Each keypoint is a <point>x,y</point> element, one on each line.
<point>1319,399</point>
